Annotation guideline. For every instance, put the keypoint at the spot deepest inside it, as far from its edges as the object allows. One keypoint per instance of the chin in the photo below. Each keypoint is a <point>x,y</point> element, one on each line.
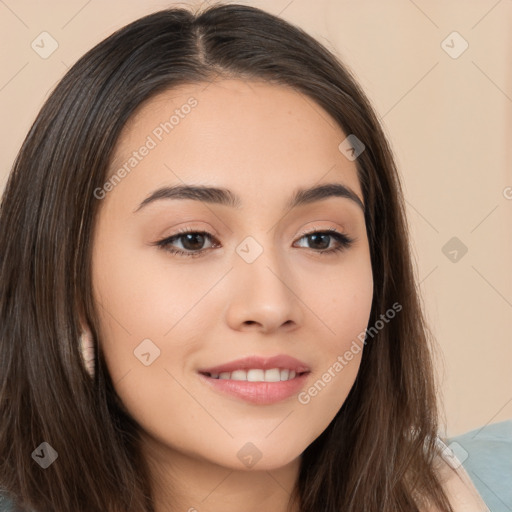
<point>267,457</point>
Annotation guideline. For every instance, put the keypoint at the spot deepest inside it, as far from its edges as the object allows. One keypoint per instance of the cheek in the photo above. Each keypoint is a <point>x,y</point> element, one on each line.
<point>341,301</point>
<point>143,310</point>
<point>139,297</point>
<point>150,305</point>
<point>342,306</point>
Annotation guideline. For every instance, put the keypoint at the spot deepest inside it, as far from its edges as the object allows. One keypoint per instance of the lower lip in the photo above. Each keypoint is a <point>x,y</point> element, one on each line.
<point>261,393</point>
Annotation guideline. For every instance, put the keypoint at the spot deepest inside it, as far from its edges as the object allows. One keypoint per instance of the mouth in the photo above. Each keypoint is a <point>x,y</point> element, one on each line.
<point>257,380</point>
<point>256,375</point>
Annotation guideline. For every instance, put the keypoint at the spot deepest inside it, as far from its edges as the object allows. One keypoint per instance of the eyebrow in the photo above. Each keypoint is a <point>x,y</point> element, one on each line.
<point>225,197</point>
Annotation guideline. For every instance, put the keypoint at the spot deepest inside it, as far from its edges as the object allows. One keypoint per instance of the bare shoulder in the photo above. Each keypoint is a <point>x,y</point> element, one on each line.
<point>457,484</point>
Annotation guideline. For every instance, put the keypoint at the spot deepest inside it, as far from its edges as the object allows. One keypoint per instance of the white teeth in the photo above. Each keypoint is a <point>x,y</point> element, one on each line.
<point>273,375</point>
<point>239,375</point>
<point>256,375</point>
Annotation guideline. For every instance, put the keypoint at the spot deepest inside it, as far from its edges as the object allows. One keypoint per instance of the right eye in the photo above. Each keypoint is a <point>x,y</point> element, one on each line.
<point>192,242</point>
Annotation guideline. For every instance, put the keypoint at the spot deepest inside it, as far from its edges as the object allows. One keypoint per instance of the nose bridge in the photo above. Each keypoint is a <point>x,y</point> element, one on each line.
<point>260,260</point>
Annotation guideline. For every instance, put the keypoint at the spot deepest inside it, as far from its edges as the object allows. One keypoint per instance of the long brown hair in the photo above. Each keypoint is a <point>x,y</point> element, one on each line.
<point>376,455</point>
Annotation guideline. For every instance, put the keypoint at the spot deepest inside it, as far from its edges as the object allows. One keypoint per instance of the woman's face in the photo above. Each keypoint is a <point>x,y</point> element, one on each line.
<point>255,286</point>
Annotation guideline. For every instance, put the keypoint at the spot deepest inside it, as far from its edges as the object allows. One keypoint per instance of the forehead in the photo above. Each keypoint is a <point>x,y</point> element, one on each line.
<point>248,135</point>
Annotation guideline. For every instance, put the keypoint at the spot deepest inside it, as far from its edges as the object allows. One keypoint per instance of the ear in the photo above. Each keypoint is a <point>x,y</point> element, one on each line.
<point>87,347</point>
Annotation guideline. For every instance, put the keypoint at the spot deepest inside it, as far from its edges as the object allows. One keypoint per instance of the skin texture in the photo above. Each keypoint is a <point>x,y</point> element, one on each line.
<point>262,141</point>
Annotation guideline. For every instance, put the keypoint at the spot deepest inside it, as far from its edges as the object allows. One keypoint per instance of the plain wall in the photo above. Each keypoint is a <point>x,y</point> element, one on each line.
<point>449,121</point>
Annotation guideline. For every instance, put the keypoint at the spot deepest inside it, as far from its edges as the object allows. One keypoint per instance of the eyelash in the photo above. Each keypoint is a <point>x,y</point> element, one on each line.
<point>343,240</point>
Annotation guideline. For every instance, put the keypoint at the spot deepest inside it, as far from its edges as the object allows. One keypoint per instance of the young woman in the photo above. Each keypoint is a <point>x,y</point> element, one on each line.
<point>207,299</point>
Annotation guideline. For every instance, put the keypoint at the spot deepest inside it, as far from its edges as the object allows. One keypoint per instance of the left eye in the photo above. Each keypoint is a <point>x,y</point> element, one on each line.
<point>193,241</point>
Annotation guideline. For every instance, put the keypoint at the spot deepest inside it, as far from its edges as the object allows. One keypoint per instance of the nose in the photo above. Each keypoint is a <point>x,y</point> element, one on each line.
<point>264,293</point>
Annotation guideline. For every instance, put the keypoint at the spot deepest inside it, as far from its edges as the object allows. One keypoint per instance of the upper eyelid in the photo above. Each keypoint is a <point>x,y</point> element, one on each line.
<point>303,233</point>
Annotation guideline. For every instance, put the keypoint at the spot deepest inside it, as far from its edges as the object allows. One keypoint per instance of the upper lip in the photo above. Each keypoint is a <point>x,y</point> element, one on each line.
<point>281,361</point>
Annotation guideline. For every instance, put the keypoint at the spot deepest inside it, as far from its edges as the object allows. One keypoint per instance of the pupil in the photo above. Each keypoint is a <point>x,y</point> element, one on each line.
<point>316,237</point>
<point>193,236</point>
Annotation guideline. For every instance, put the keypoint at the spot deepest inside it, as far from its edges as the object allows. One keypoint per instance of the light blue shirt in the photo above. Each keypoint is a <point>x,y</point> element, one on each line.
<point>486,454</point>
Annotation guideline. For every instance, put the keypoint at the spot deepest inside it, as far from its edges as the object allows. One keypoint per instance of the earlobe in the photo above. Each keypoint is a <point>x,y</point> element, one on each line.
<point>87,350</point>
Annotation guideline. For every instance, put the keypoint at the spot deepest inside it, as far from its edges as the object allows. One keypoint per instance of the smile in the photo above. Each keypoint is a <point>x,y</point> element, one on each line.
<point>256,375</point>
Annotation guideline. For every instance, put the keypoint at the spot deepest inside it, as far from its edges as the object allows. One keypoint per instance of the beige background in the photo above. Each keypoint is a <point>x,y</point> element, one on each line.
<point>449,121</point>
